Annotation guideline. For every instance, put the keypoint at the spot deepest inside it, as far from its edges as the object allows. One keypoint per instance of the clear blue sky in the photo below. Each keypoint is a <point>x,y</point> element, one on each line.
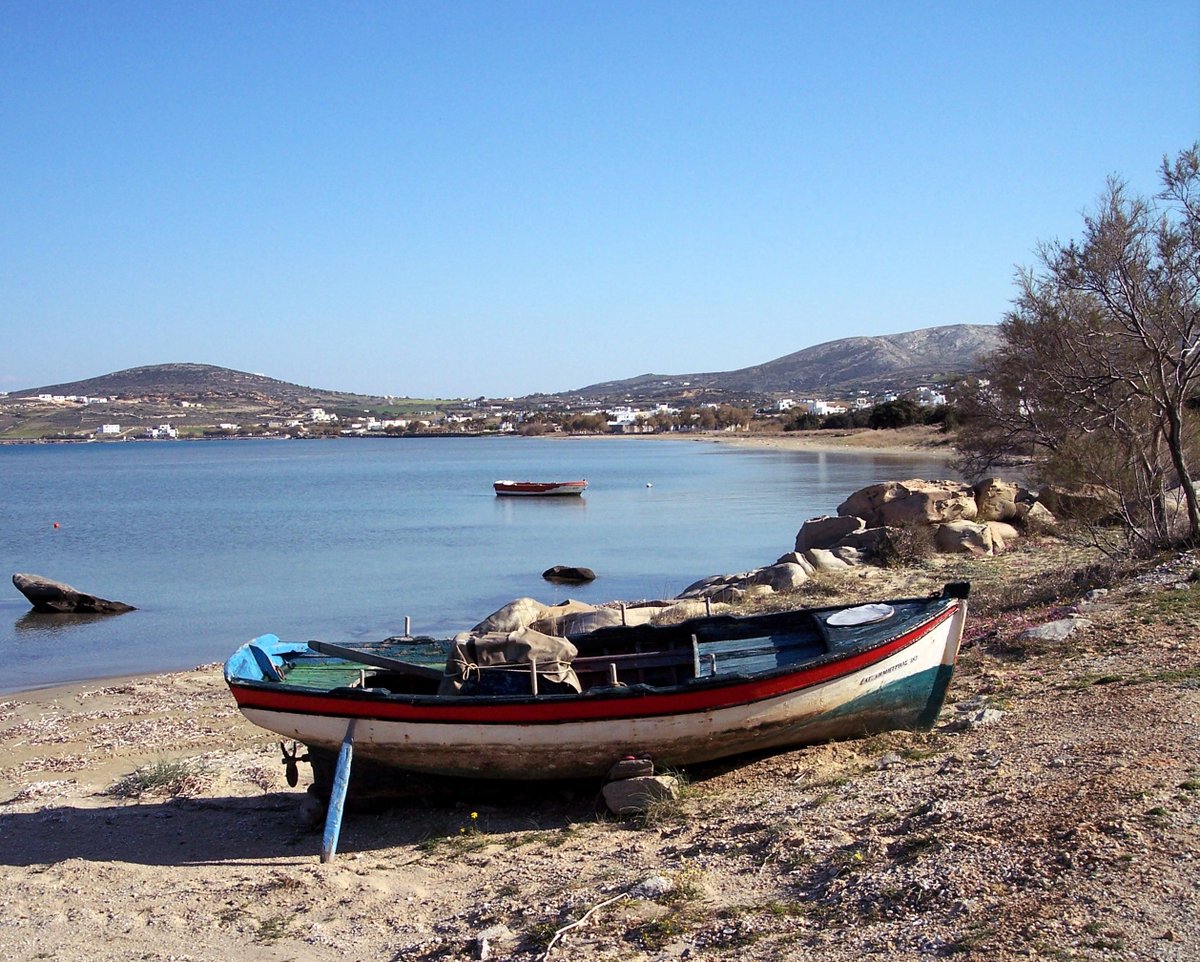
<point>455,199</point>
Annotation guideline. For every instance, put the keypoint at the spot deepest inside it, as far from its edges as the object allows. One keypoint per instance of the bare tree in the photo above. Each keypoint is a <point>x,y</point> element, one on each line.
<point>1101,358</point>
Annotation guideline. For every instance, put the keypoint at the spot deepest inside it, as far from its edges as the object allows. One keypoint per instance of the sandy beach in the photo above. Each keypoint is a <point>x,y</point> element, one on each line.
<point>918,439</point>
<point>927,441</point>
<point>1053,812</point>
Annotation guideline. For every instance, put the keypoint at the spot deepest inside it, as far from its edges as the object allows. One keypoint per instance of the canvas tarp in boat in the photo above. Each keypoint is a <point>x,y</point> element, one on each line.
<point>501,663</point>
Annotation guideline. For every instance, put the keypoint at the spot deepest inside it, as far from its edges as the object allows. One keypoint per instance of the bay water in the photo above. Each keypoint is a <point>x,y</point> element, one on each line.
<point>216,542</point>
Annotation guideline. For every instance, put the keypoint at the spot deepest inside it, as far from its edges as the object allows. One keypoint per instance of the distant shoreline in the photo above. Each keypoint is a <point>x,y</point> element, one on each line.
<point>926,441</point>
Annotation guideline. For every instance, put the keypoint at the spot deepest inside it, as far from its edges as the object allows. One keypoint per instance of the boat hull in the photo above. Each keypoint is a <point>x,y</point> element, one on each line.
<point>899,684</point>
<point>539,489</point>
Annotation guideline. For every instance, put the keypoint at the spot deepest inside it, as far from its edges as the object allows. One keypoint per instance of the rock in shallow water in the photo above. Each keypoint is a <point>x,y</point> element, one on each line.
<point>570,574</point>
<point>54,597</point>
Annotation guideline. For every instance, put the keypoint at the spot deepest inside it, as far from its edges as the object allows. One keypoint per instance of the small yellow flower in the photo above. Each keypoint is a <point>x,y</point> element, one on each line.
<point>474,815</point>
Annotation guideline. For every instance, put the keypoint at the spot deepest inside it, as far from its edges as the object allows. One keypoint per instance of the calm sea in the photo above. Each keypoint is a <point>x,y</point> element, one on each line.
<point>216,542</point>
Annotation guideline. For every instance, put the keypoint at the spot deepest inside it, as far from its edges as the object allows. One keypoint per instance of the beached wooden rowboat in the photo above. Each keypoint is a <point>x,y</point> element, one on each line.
<point>539,489</point>
<point>526,706</point>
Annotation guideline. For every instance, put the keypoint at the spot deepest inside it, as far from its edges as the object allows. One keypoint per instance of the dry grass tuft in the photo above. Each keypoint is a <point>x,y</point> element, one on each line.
<point>170,778</point>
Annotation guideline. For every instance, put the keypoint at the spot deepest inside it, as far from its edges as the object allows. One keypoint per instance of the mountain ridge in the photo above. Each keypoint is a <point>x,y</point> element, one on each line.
<point>846,365</point>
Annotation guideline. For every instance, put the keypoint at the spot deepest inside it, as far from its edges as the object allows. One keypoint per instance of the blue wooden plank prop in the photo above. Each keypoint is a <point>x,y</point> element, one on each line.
<point>337,797</point>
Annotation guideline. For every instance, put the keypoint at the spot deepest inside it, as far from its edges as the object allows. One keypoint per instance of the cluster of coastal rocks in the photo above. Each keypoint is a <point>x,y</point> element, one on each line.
<point>573,617</point>
<point>976,519</point>
<point>955,517</point>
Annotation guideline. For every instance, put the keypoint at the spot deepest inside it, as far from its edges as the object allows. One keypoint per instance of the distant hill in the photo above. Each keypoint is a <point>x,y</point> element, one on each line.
<point>195,400</point>
<point>874,364</point>
<point>193,382</point>
<point>851,364</point>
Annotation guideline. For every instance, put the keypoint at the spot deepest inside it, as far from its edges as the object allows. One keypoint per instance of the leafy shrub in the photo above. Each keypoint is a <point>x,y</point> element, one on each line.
<point>908,545</point>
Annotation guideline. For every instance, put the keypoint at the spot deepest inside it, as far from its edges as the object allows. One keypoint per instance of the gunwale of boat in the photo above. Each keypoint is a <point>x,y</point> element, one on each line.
<point>891,673</point>
<point>696,694</point>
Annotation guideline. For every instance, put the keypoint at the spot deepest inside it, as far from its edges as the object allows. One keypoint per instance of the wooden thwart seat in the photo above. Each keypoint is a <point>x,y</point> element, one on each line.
<point>636,664</point>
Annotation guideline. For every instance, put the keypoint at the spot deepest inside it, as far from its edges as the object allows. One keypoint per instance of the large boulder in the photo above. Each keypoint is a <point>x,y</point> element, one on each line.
<point>740,593</point>
<point>727,595</point>
<point>796,558</point>
<point>826,531</point>
<point>1038,516</point>
<point>515,615</point>
<point>682,611</point>
<point>852,556</point>
<point>825,561</point>
<point>54,597</point>
<point>710,586</point>
<point>1002,535</point>
<point>906,502</point>
<point>963,537</point>
<point>996,500</point>
<point>784,577</point>
<point>866,542</point>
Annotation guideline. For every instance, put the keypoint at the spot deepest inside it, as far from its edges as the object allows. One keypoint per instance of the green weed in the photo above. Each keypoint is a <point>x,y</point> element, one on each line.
<point>658,933</point>
<point>274,928</point>
<point>660,812</point>
<point>972,939</point>
<point>1079,682</point>
<point>687,885</point>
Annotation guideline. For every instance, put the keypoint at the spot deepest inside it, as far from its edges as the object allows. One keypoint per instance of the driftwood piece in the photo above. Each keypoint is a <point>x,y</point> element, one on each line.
<point>579,921</point>
<point>54,597</point>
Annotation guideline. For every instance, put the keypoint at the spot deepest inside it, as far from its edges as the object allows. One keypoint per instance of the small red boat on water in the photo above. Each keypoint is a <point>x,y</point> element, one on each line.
<point>540,488</point>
